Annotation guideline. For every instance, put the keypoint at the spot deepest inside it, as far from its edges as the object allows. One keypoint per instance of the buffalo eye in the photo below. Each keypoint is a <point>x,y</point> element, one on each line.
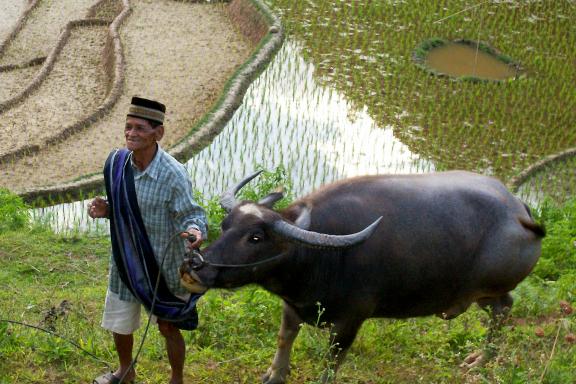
<point>255,238</point>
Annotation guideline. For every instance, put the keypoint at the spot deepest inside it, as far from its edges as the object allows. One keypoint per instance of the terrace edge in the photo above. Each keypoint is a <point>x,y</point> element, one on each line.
<point>204,130</point>
<point>516,182</point>
<point>113,59</point>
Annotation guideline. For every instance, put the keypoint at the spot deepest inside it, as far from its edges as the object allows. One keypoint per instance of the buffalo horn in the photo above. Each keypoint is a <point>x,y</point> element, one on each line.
<point>322,240</point>
<point>228,199</point>
<point>271,199</point>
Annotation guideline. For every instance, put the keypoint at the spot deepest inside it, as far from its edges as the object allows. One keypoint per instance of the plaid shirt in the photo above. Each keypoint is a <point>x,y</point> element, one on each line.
<point>164,193</point>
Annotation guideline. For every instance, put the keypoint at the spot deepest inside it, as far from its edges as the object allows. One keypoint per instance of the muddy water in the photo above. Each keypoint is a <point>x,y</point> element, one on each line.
<point>460,60</point>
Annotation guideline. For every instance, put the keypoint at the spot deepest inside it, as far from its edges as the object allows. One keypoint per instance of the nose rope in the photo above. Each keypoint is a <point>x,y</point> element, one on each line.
<point>198,262</point>
<point>191,238</point>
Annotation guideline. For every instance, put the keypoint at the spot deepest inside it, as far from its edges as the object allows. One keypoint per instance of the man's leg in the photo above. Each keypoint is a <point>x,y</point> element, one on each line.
<point>176,349</point>
<point>122,318</point>
<point>124,344</point>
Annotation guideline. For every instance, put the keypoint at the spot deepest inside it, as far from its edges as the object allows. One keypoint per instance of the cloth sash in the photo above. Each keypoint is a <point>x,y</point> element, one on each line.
<point>132,251</point>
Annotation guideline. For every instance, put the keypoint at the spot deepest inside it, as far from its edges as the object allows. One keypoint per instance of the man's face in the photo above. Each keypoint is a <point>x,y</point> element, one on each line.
<point>140,135</point>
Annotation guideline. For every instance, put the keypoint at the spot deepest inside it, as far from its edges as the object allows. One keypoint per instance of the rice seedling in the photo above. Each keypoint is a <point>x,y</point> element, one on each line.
<point>361,53</point>
<point>523,113</point>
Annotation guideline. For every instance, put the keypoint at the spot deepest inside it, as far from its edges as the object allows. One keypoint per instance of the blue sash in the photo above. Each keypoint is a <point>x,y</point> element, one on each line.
<point>132,251</point>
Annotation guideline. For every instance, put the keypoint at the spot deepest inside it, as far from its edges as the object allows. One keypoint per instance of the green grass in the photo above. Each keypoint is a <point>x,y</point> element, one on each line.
<point>58,282</point>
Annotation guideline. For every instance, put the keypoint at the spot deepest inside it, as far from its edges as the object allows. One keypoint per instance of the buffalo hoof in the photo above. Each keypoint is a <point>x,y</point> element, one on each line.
<point>275,376</point>
<point>473,360</point>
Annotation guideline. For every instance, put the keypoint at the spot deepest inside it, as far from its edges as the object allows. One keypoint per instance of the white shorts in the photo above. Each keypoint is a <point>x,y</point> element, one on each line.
<point>123,317</point>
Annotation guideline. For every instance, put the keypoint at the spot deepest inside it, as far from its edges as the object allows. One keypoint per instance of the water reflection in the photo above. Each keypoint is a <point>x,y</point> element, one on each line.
<point>286,119</point>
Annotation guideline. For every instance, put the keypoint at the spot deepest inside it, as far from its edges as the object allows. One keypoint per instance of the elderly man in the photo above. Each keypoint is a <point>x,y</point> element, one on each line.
<point>149,199</point>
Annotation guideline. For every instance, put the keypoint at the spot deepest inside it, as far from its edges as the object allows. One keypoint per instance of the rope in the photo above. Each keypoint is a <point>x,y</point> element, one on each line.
<point>73,343</point>
<point>58,336</point>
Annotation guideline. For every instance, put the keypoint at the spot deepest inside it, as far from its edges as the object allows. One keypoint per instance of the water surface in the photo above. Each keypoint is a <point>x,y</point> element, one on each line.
<point>286,119</point>
<point>459,60</point>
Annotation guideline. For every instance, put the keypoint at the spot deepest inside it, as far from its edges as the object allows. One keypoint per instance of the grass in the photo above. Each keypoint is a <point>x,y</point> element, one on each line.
<point>58,282</point>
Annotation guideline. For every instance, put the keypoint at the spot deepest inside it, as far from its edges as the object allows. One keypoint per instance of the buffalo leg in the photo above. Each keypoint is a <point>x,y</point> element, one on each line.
<point>289,328</point>
<point>342,336</point>
<point>499,308</point>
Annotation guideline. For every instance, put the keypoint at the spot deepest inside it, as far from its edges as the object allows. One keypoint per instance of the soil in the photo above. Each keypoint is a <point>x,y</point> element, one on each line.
<point>179,53</point>
<point>10,10</point>
<point>42,28</point>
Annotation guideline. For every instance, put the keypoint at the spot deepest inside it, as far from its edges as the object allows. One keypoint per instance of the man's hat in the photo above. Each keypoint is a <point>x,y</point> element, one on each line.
<point>147,109</point>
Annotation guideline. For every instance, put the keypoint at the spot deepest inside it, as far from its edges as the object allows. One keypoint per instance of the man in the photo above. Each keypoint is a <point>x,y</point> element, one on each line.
<point>166,205</point>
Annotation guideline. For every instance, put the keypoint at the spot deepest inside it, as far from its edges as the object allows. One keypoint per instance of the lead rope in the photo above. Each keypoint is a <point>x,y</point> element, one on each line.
<point>191,238</point>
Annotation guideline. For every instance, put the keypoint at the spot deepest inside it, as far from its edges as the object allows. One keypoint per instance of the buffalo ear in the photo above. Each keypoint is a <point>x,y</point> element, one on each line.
<point>304,218</point>
<point>271,199</point>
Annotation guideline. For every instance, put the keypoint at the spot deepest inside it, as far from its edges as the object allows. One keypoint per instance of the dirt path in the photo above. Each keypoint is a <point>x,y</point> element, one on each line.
<point>178,53</point>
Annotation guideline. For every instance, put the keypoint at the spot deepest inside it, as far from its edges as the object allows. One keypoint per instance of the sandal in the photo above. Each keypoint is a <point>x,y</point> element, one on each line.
<point>109,378</point>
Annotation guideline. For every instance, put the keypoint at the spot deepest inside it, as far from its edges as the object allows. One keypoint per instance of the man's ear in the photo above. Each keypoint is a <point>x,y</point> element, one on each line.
<point>159,132</point>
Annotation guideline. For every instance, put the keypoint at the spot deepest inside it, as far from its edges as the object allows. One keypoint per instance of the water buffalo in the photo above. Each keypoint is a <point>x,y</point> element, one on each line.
<point>445,241</point>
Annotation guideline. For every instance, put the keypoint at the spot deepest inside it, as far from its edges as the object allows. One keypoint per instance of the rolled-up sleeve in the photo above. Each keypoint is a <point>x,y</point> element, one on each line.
<point>186,212</point>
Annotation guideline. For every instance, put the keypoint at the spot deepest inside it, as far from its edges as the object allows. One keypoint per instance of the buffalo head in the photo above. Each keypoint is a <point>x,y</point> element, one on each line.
<point>255,239</point>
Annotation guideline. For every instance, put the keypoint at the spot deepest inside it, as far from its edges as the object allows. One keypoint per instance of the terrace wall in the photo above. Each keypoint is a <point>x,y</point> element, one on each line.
<point>113,62</point>
<point>254,20</point>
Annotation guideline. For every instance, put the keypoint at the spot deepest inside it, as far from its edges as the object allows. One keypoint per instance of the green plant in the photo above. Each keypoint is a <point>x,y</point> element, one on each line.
<point>559,247</point>
<point>13,211</point>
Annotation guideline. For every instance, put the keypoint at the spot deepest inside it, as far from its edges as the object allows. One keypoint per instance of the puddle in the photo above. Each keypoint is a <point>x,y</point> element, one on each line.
<point>464,60</point>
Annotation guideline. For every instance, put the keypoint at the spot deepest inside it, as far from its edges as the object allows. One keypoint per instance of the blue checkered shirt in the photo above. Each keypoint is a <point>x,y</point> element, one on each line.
<point>164,193</point>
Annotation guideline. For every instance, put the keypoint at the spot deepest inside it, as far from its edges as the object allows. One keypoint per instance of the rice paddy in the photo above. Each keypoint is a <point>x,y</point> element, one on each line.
<point>364,51</point>
<point>343,97</point>
<point>181,68</point>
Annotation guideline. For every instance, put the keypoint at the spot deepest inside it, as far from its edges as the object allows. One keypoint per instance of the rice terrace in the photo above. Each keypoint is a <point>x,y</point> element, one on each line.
<point>312,92</point>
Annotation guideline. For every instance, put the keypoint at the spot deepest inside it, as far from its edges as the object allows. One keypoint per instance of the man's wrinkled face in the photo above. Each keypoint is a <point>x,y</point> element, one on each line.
<point>140,135</point>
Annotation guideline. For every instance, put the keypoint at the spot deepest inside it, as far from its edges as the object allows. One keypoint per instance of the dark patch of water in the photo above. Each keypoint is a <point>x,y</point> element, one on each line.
<point>463,60</point>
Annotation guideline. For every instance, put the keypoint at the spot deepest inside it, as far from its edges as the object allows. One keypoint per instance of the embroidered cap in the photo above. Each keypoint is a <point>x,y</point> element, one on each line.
<point>147,109</point>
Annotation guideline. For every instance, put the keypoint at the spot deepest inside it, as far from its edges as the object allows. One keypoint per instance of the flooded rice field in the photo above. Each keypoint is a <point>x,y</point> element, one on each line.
<point>343,97</point>
<point>286,120</point>
<point>463,60</point>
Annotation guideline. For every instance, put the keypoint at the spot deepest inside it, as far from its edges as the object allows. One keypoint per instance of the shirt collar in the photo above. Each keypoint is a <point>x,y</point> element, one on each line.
<point>153,169</point>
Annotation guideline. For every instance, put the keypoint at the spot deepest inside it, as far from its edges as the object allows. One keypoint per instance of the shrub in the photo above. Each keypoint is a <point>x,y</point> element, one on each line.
<point>13,211</point>
<point>264,184</point>
<point>559,245</point>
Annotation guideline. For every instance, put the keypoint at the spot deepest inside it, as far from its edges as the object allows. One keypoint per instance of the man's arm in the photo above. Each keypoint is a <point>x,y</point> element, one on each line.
<point>188,214</point>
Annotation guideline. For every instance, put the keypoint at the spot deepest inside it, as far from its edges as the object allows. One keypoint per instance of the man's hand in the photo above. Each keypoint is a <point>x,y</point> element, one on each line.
<point>98,208</point>
<point>192,231</point>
